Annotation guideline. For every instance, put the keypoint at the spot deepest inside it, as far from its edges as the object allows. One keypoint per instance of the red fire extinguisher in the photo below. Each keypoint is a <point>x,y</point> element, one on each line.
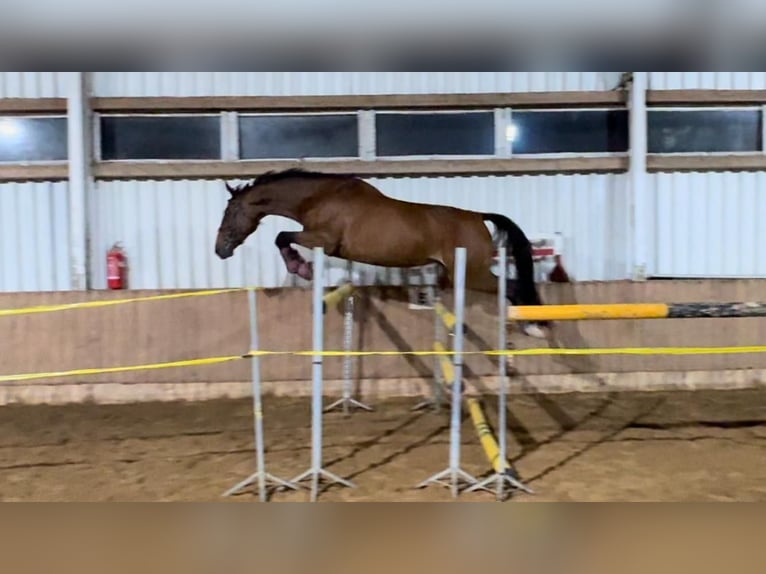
<point>116,267</point>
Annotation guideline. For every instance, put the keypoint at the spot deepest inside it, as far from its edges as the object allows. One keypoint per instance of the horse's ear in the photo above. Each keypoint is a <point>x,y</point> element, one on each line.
<point>230,189</point>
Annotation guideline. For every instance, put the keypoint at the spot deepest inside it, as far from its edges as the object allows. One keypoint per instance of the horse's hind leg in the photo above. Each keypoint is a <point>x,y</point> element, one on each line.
<point>481,278</point>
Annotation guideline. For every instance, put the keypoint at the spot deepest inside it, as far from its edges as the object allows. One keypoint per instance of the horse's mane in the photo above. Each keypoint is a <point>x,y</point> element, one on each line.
<point>274,176</point>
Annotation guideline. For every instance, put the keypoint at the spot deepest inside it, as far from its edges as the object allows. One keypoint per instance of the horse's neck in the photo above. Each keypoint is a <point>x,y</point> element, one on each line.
<point>287,197</point>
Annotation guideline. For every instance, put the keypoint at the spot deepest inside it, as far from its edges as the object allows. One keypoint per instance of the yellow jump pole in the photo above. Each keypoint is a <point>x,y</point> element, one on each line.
<point>612,311</point>
<point>487,439</point>
<point>586,312</point>
<point>333,298</point>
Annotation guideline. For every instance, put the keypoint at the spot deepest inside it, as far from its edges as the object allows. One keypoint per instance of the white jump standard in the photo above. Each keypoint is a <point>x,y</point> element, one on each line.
<point>505,473</point>
<point>453,473</point>
<point>260,476</point>
<point>316,472</point>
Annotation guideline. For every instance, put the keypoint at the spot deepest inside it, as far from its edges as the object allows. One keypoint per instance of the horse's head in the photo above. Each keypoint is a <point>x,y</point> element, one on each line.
<point>241,217</point>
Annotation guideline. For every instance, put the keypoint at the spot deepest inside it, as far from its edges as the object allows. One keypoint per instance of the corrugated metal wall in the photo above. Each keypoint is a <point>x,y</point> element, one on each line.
<point>707,80</point>
<point>34,237</point>
<point>337,83</point>
<point>705,224</point>
<point>709,224</point>
<point>34,84</point>
<point>169,228</point>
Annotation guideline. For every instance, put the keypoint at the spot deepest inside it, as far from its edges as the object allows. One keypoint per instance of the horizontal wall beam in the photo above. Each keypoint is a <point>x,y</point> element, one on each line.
<point>356,102</point>
<point>706,162</point>
<point>380,168</point>
<point>54,106</point>
<point>138,170</point>
<point>34,172</point>
<point>705,97</point>
<point>520,100</point>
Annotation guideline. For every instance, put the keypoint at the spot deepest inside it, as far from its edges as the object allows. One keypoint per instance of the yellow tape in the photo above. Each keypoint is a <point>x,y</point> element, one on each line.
<point>261,353</point>
<point>93,304</point>
<point>99,371</point>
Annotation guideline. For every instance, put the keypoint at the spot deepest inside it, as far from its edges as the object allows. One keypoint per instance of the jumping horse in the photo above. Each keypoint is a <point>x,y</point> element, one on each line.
<point>351,219</point>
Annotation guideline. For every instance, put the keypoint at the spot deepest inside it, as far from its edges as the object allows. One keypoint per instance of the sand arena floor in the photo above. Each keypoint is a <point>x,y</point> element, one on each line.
<point>706,446</point>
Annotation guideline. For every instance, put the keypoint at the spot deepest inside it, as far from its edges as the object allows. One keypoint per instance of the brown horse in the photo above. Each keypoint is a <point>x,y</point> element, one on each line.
<point>353,220</point>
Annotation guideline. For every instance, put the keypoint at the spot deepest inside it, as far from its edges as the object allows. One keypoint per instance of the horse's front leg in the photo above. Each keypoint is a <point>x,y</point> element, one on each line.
<point>293,260</point>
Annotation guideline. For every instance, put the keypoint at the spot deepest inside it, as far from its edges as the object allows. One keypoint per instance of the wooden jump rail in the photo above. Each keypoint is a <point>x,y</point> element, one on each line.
<point>616,311</point>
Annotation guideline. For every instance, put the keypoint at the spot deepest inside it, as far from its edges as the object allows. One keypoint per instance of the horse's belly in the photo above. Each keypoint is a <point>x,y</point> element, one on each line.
<point>387,257</point>
<point>389,246</point>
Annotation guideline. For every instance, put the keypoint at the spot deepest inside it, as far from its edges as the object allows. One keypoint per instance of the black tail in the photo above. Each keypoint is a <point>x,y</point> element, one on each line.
<point>511,235</point>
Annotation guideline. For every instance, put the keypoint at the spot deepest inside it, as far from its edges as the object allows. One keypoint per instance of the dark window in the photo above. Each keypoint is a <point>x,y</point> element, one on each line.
<point>704,131</point>
<point>471,133</point>
<point>298,136</point>
<point>577,131</point>
<point>33,139</point>
<point>160,137</point>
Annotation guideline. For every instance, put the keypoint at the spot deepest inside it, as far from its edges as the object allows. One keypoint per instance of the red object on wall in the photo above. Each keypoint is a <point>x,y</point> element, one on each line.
<point>116,267</point>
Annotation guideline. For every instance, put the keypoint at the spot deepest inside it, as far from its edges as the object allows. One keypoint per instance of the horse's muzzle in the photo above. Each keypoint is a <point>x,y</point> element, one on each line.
<point>224,252</point>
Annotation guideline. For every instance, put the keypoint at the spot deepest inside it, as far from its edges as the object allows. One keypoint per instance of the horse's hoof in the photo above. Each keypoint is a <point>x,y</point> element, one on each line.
<point>533,330</point>
<point>306,271</point>
<point>293,266</point>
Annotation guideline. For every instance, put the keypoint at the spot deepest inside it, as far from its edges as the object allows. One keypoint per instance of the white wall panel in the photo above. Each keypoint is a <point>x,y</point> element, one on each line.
<point>707,80</point>
<point>590,211</point>
<point>33,84</point>
<point>709,224</point>
<point>34,253</point>
<point>341,83</point>
<point>168,228</point>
